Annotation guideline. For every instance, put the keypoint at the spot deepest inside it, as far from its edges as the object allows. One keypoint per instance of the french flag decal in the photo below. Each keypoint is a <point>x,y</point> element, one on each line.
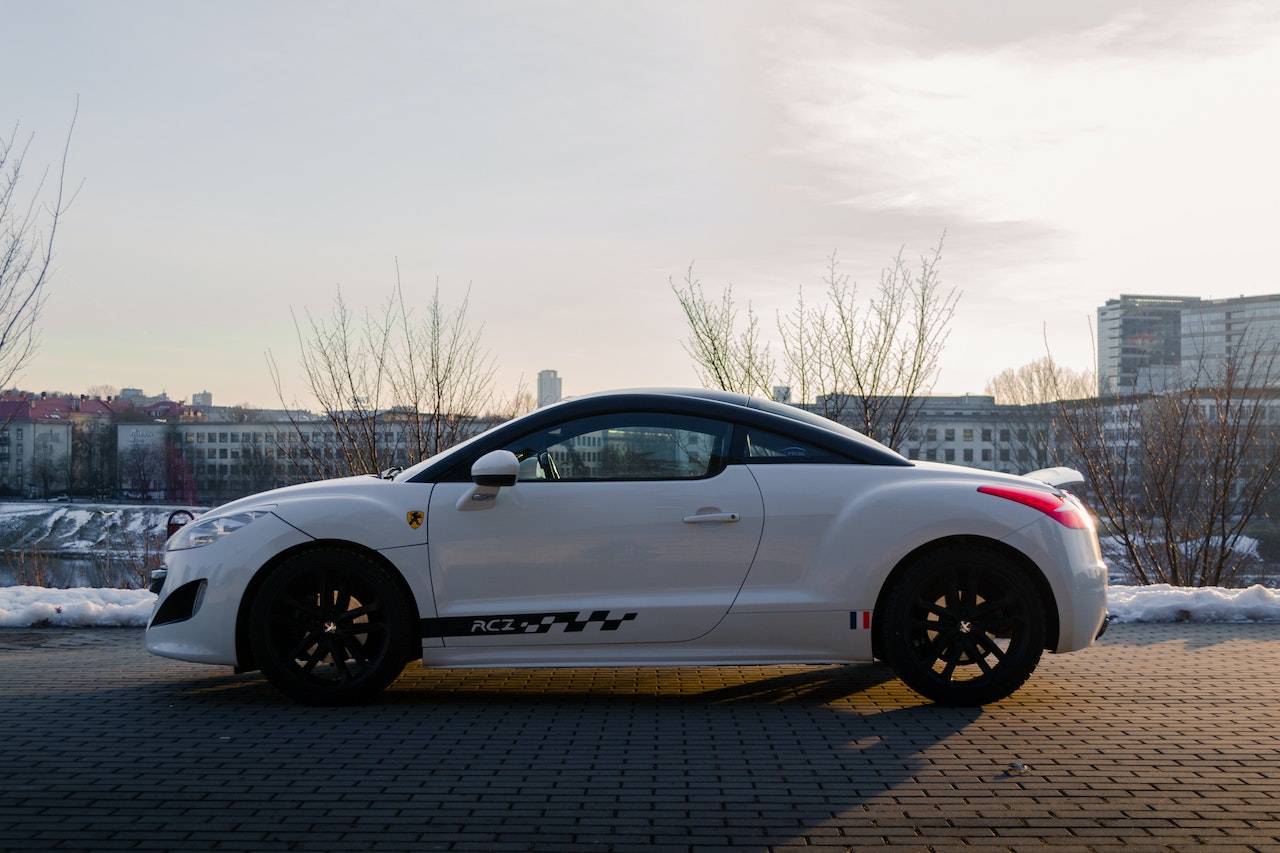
<point>860,620</point>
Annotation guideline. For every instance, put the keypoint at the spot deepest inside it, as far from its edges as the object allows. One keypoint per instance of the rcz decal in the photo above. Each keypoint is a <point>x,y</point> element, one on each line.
<point>523,623</point>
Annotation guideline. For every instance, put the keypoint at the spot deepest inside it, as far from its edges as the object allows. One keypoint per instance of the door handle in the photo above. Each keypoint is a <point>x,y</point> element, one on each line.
<point>713,518</point>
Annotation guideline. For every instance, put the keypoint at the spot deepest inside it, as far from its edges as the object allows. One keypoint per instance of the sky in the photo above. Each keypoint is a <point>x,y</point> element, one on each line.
<point>560,163</point>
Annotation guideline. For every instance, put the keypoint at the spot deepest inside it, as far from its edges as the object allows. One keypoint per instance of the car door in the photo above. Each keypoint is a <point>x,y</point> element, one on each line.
<point>623,528</point>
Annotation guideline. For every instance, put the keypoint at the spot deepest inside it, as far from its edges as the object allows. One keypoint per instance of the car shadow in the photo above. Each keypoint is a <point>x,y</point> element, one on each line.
<point>681,757</point>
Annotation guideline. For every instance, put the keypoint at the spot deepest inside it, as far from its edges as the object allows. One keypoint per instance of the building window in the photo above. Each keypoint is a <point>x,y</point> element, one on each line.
<point>968,454</point>
<point>968,435</point>
<point>950,455</point>
<point>986,435</point>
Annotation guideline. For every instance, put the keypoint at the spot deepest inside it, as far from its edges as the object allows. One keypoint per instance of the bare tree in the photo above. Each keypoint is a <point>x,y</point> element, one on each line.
<point>809,368</point>
<point>393,387</point>
<point>726,357</point>
<point>243,413</point>
<point>345,361</point>
<point>1029,426</point>
<point>868,364</point>
<point>48,473</point>
<point>142,470</point>
<point>259,469</point>
<point>28,227</point>
<point>442,376</point>
<point>1041,381</point>
<point>887,355</point>
<point>1178,475</point>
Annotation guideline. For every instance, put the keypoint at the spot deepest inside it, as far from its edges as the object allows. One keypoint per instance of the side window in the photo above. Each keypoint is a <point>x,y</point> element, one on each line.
<point>628,446</point>
<point>764,447</point>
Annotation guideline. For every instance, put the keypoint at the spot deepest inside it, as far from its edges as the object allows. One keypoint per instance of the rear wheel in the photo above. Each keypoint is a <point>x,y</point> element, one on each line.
<point>330,627</point>
<point>964,626</point>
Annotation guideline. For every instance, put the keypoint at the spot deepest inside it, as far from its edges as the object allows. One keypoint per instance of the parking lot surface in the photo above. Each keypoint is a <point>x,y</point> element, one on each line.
<point>1162,737</point>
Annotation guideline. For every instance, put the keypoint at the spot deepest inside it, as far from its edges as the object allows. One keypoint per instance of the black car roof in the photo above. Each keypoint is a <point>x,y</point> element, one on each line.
<point>725,405</point>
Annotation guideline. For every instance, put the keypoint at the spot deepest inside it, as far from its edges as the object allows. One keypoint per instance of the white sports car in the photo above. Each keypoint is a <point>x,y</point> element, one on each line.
<point>636,529</point>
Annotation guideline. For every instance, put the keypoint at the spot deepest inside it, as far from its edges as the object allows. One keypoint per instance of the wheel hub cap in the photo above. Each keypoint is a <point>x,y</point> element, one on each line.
<point>330,627</point>
<point>965,626</point>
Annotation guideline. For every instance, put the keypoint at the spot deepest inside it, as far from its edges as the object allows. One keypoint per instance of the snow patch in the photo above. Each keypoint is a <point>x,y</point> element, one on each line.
<point>27,606</point>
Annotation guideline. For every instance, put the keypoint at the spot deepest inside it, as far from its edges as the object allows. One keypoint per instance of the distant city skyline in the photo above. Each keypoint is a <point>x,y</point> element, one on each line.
<point>560,162</point>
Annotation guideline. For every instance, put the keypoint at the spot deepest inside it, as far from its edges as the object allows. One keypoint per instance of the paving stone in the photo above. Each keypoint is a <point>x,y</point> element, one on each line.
<point>1161,738</point>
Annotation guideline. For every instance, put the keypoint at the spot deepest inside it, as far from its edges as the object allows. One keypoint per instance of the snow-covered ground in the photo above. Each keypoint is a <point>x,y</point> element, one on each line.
<point>33,606</point>
<point>82,528</point>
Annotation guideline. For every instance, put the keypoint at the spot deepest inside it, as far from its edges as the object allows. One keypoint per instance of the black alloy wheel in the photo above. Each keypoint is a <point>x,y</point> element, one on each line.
<point>330,627</point>
<point>964,626</point>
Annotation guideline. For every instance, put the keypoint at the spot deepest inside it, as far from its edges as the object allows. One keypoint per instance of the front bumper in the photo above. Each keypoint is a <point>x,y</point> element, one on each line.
<point>195,615</point>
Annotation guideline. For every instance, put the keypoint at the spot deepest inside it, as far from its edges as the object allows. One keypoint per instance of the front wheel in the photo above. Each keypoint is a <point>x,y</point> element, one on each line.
<point>965,626</point>
<point>330,627</point>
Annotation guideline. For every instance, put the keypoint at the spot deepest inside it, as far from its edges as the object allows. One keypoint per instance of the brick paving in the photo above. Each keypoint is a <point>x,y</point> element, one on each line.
<point>1162,737</point>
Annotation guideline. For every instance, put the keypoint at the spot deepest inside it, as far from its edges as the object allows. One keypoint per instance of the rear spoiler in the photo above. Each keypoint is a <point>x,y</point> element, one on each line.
<point>1059,478</point>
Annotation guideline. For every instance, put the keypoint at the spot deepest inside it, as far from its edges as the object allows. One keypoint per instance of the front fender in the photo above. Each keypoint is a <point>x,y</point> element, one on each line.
<point>379,515</point>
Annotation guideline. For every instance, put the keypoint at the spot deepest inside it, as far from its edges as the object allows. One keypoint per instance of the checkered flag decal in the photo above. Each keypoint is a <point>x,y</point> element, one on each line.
<point>572,623</point>
<point>568,622</point>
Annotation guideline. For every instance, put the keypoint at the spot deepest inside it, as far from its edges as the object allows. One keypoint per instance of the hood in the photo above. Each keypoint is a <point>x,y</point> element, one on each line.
<point>354,486</point>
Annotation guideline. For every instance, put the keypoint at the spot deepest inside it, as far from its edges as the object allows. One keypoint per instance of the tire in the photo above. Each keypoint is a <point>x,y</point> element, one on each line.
<point>964,626</point>
<point>330,627</point>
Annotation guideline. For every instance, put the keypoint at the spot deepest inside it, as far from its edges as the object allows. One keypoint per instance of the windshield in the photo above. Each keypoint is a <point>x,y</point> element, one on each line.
<point>408,473</point>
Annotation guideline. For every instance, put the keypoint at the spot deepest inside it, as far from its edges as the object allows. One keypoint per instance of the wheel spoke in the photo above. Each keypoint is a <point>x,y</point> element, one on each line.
<point>342,596</point>
<point>936,648</point>
<point>984,647</point>
<point>355,614</point>
<point>316,655</point>
<point>950,658</point>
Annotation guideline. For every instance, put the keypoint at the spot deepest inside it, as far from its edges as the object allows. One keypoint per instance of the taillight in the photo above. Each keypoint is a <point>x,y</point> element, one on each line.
<point>1066,512</point>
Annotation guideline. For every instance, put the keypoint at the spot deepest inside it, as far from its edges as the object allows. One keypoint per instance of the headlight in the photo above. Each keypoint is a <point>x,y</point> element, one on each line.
<point>197,534</point>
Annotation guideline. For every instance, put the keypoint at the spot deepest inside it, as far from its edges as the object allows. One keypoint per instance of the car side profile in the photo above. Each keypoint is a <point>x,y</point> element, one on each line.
<point>642,528</point>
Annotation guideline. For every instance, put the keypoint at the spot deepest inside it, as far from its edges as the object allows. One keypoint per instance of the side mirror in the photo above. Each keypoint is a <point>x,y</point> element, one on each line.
<point>496,468</point>
<point>490,473</point>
